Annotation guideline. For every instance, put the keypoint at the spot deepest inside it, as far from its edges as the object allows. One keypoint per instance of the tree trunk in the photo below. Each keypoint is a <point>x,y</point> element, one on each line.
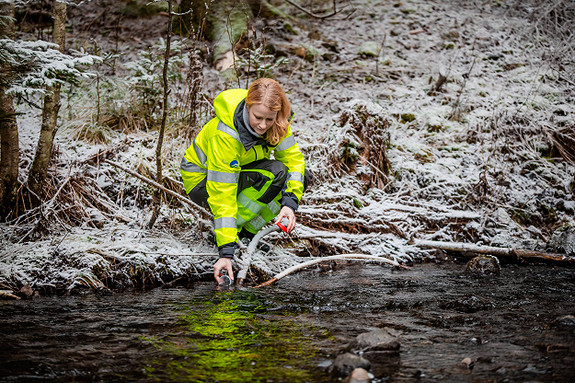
<point>50,110</point>
<point>223,22</point>
<point>9,145</point>
<point>157,199</point>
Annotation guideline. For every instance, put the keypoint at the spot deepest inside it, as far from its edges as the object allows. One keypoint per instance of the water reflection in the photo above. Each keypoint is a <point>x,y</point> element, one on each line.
<point>226,339</point>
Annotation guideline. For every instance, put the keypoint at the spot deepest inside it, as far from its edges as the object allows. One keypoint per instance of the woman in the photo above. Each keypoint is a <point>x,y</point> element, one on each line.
<point>228,167</point>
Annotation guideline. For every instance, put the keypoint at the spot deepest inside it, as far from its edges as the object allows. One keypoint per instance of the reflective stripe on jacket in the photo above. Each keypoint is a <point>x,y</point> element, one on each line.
<point>218,153</point>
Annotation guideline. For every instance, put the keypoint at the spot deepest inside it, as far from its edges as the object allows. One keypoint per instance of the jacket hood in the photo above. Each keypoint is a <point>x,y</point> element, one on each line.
<point>226,103</point>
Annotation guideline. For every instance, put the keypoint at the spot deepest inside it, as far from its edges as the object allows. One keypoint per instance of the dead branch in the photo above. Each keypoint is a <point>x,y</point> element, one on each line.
<point>310,13</point>
<point>497,251</point>
<point>303,265</point>
<point>178,196</point>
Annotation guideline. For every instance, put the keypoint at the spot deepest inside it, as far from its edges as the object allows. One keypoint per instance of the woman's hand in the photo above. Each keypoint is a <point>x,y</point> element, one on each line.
<point>223,264</point>
<point>287,212</point>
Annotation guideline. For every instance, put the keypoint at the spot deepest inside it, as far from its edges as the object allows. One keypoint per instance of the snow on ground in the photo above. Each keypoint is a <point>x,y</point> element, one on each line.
<point>468,160</point>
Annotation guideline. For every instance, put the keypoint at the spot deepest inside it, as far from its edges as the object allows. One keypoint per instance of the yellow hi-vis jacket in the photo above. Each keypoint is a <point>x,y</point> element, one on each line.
<point>218,153</point>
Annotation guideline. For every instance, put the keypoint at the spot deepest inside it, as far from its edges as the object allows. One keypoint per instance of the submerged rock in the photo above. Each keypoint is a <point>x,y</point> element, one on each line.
<point>483,265</point>
<point>344,364</point>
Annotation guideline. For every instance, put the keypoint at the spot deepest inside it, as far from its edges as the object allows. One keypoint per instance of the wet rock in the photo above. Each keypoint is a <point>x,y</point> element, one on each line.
<point>344,364</point>
<point>483,265</point>
<point>563,239</point>
<point>380,340</point>
<point>467,362</point>
<point>566,320</point>
<point>26,291</point>
<point>359,375</point>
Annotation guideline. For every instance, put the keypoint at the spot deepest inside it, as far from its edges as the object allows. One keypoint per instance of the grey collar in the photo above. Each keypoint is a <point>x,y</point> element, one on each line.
<point>246,116</point>
<point>248,137</point>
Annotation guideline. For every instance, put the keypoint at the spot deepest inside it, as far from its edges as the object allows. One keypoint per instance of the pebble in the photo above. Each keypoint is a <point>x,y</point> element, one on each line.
<point>483,265</point>
<point>382,340</point>
<point>359,375</point>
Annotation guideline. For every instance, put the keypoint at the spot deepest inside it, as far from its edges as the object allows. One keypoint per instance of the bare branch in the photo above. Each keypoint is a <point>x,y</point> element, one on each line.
<point>321,17</point>
<point>178,196</point>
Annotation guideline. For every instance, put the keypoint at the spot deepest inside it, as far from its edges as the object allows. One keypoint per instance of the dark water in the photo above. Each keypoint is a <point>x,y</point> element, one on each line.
<point>515,327</point>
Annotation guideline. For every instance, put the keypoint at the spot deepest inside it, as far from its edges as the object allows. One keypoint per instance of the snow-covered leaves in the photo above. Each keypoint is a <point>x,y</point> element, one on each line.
<point>31,66</point>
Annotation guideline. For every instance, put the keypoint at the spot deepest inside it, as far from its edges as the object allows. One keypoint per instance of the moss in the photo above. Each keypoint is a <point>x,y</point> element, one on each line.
<point>369,49</point>
<point>227,340</point>
<point>434,128</point>
<point>137,8</point>
<point>407,117</point>
<point>287,27</point>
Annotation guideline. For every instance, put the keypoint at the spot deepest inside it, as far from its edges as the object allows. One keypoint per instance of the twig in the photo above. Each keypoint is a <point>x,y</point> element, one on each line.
<point>179,197</point>
<point>303,265</point>
<point>309,13</point>
<point>46,207</point>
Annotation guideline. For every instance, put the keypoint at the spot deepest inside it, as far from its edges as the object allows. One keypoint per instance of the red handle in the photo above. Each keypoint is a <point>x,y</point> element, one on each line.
<point>282,226</point>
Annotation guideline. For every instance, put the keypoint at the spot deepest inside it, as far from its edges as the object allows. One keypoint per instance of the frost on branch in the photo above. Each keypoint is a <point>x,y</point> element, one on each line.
<point>31,66</point>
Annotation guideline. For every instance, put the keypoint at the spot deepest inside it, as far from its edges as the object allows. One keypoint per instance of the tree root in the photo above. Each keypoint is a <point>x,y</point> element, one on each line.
<point>303,265</point>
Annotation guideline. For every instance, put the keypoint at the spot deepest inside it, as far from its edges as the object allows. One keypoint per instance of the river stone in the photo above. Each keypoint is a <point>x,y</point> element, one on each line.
<point>483,265</point>
<point>26,291</point>
<point>566,320</point>
<point>563,239</point>
<point>381,340</point>
<point>359,375</point>
<point>344,364</point>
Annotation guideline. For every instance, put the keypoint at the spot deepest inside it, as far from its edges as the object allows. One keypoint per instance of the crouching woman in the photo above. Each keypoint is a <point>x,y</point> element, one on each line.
<point>228,166</point>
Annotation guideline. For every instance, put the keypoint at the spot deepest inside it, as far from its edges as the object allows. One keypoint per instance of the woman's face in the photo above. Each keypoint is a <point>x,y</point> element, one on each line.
<point>261,118</point>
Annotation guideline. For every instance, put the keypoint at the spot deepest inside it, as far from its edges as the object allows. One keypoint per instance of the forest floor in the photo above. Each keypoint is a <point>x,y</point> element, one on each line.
<point>397,153</point>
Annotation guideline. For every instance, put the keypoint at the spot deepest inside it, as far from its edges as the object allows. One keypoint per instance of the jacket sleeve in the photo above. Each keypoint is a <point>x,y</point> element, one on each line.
<point>287,151</point>
<point>221,185</point>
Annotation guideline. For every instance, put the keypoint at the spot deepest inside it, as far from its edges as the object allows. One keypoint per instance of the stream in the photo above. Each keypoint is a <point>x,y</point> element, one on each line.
<point>515,327</point>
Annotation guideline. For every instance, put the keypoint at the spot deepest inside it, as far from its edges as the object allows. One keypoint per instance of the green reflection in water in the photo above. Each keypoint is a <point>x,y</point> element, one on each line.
<point>228,340</point>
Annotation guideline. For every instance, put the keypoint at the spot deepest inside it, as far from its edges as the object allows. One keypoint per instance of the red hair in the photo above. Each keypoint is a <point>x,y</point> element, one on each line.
<point>270,93</point>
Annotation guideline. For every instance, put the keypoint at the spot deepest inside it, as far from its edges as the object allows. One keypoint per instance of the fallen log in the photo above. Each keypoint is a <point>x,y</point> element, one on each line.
<point>520,254</point>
